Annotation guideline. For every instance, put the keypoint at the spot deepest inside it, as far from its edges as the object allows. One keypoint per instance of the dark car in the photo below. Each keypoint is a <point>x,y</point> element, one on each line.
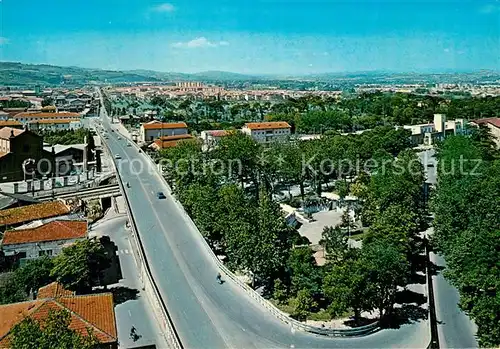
<point>160,195</point>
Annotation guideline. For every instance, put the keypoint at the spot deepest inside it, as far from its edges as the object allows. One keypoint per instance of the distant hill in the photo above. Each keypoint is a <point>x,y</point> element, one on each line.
<point>18,74</point>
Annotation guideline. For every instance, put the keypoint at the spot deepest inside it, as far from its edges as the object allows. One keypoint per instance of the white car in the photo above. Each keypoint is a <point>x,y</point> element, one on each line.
<point>117,156</point>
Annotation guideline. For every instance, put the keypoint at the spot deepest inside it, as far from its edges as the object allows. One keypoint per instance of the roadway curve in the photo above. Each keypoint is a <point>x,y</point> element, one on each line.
<point>205,314</point>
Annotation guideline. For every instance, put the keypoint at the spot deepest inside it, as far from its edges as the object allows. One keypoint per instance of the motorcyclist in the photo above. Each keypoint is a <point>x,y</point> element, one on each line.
<point>128,185</point>
<point>219,278</point>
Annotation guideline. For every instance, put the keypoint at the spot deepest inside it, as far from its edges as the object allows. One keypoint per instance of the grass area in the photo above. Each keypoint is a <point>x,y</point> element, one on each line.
<point>358,235</point>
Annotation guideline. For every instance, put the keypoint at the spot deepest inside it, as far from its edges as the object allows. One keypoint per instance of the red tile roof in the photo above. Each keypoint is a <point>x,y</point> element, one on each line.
<point>7,123</point>
<point>156,125</point>
<point>267,125</point>
<point>170,141</point>
<point>6,132</point>
<point>65,115</point>
<point>53,231</point>
<point>54,121</point>
<point>30,213</point>
<point>95,312</point>
<point>493,121</point>
<point>53,290</point>
<point>218,133</point>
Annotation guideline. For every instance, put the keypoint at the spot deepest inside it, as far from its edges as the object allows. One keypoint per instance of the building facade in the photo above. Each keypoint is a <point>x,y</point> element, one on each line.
<point>18,147</point>
<point>45,240</point>
<point>493,124</point>
<point>156,129</point>
<point>266,132</point>
<point>427,134</point>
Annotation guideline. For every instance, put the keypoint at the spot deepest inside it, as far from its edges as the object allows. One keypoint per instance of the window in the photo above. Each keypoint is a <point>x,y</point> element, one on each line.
<point>45,253</point>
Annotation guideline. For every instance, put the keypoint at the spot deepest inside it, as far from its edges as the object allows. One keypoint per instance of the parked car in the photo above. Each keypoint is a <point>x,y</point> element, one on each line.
<point>160,195</point>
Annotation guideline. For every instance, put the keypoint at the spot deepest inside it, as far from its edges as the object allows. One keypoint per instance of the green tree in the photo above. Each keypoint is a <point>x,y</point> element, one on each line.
<point>303,304</point>
<point>80,266</point>
<point>35,274</point>
<point>334,241</point>
<point>11,291</point>
<point>47,101</point>
<point>50,333</point>
<point>304,273</point>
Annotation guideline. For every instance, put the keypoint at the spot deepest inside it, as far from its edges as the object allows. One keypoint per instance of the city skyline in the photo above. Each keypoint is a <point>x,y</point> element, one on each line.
<point>265,37</point>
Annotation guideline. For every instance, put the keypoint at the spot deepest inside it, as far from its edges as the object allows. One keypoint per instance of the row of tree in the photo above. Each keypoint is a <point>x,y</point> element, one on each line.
<point>467,227</point>
<point>314,114</point>
<point>236,213</point>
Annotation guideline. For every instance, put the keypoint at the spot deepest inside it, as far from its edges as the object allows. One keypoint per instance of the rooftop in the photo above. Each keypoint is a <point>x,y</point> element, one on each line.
<point>30,213</point>
<point>7,132</point>
<point>156,125</point>
<point>492,121</point>
<point>54,121</point>
<point>267,125</point>
<point>218,133</point>
<point>93,312</point>
<point>53,290</point>
<point>65,115</point>
<point>53,231</point>
<point>7,123</point>
<point>170,141</point>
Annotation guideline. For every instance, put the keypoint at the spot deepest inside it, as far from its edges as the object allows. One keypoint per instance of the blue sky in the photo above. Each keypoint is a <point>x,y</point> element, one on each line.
<point>254,36</point>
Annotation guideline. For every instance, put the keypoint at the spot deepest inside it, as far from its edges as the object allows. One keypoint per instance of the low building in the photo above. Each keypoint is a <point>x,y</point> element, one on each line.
<point>212,137</point>
<point>46,240</point>
<point>11,123</point>
<point>67,157</point>
<point>55,125</point>
<point>427,134</point>
<point>156,129</point>
<point>18,147</point>
<point>88,312</point>
<point>30,117</point>
<point>14,217</point>
<point>169,141</point>
<point>53,290</point>
<point>493,124</point>
<point>265,132</point>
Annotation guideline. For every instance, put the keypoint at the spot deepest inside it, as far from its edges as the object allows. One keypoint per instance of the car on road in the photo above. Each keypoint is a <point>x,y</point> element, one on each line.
<point>129,145</point>
<point>160,195</point>
<point>117,156</point>
<point>119,138</point>
<point>430,164</point>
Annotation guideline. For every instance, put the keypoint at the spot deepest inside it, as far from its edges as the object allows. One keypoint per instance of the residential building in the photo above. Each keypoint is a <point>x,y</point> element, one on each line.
<point>11,123</point>
<point>18,146</point>
<point>212,138</point>
<point>169,141</point>
<point>427,134</point>
<point>14,217</point>
<point>53,290</point>
<point>493,124</point>
<point>156,129</point>
<point>55,124</point>
<point>265,132</point>
<point>46,240</point>
<point>94,312</point>
<point>29,117</point>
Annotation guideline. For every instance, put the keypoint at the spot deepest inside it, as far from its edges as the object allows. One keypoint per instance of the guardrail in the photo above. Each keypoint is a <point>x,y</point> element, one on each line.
<point>340,332</point>
<point>171,335</point>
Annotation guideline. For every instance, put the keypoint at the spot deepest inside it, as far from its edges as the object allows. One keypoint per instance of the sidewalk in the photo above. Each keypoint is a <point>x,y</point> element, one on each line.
<point>132,306</point>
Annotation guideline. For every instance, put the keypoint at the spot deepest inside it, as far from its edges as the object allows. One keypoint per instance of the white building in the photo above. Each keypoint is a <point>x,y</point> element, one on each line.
<point>56,124</point>
<point>29,117</point>
<point>156,129</point>
<point>265,132</point>
<point>45,240</point>
<point>212,137</point>
<point>427,133</point>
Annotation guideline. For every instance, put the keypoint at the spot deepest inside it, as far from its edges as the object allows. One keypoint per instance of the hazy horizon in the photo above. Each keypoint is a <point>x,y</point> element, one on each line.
<point>264,37</point>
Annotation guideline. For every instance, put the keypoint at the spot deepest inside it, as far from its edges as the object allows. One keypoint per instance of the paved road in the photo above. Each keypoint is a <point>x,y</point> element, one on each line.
<point>455,328</point>
<point>208,315</point>
<point>133,312</point>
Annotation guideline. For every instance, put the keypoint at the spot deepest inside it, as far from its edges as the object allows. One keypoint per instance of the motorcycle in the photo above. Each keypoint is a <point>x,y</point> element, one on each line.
<point>219,279</point>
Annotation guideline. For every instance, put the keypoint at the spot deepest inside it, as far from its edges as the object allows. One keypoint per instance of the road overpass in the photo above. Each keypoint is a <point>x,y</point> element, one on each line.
<point>206,314</point>
<point>105,191</point>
